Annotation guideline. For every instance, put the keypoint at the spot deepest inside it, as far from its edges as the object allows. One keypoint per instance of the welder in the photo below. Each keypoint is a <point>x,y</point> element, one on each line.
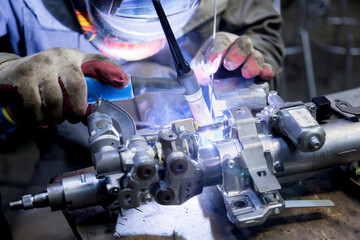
<point>47,85</point>
<point>48,46</point>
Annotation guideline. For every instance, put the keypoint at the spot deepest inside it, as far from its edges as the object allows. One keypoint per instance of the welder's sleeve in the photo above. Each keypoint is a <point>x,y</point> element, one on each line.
<point>260,21</point>
<point>4,17</point>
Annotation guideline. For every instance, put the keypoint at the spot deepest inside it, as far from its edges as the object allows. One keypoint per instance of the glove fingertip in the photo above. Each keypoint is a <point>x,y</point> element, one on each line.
<point>120,81</point>
<point>267,73</point>
<point>251,68</point>
<point>107,72</point>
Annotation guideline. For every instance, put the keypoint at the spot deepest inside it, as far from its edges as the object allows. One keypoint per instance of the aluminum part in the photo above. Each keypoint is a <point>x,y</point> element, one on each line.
<point>252,153</point>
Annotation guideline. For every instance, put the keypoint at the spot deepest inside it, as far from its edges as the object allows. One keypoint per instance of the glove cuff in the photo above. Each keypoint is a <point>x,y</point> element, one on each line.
<point>5,58</point>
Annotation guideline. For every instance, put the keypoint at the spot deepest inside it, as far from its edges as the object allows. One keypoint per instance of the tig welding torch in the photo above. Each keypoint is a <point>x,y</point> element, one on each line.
<point>96,89</point>
<point>186,76</point>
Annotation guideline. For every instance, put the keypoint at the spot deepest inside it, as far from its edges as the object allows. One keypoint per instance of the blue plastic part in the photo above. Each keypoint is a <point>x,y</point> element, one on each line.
<point>97,89</point>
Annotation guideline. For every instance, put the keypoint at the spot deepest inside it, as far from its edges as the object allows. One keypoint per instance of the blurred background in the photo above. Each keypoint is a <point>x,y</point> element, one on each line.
<point>332,28</point>
<point>324,32</point>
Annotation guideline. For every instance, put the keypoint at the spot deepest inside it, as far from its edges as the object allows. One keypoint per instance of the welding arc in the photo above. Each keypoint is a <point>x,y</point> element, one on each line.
<point>212,127</point>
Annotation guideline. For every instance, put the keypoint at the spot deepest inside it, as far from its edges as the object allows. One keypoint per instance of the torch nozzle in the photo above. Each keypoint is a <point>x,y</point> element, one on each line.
<point>200,111</point>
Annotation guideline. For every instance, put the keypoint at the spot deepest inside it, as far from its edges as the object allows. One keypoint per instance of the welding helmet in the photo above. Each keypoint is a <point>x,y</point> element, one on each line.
<point>130,29</point>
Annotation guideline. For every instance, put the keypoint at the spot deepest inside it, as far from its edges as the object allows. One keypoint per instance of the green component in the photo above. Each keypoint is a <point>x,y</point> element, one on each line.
<point>357,172</point>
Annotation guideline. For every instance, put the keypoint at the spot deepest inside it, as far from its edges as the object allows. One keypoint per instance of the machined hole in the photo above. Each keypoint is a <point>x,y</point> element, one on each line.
<point>147,172</point>
<point>240,204</point>
<point>261,173</point>
<point>167,198</point>
<point>179,166</point>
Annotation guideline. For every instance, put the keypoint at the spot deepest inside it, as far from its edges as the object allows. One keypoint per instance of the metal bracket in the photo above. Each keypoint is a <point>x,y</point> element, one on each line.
<point>253,153</point>
<point>128,128</point>
<point>347,108</point>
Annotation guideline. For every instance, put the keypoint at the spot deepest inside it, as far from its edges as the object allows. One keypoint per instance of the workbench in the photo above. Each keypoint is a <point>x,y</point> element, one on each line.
<point>204,216</point>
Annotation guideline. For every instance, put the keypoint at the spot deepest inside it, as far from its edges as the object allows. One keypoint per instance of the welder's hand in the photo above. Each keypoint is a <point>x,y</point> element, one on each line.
<point>49,86</point>
<point>233,52</point>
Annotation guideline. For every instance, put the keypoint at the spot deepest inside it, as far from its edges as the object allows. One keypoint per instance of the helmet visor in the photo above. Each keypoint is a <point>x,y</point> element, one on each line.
<point>137,21</point>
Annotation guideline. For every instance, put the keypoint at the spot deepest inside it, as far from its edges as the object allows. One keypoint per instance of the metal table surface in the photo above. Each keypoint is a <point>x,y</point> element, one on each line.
<point>204,216</point>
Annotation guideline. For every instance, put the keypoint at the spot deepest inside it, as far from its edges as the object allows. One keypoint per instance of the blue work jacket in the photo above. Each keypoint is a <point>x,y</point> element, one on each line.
<point>31,28</point>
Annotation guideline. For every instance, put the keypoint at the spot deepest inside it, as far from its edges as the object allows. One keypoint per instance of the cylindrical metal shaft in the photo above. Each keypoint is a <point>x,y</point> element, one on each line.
<point>342,146</point>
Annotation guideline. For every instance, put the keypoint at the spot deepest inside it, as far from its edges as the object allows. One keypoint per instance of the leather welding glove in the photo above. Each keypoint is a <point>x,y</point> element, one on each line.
<point>232,52</point>
<point>49,87</point>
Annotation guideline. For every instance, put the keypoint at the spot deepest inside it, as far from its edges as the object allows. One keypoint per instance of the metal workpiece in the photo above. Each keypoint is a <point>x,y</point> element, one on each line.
<point>274,99</point>
<point>156,84</point>
<point>71,193</point>
<point>141,173</point>
<point>184,178</point>
<point>107,162</point>
<point>251,157</point>
<point>346,107</point>
<point>184,175</point>
<point>235,92</point>
<point>184,125</point>
<point>209,157</point>
<point>334,152</point>
<point>138,152</point>
<point>144,165</point>
<point>135,190</point>
<point>169,142</point>
<point>123,119</point>
<point>182,141</point>
<point>301,128</point>
<point>250,209</point>
<point>228,151</point>
<point>103,135</point>
<point>77,191</point>
<point>294,120</point>
<point>104,142</point>
<point>29,202</point>
<point>246,130</point>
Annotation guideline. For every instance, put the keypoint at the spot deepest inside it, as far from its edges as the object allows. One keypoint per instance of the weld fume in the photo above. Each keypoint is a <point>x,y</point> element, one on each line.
<point>167,108</point>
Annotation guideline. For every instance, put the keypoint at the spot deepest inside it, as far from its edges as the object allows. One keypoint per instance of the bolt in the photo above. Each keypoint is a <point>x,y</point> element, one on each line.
<point>181,129</point>
<point>278,166</point>
<point>241,112</point>
<point>231,163</point>
<point>16,205</point>
<point>311,108</point>
<point>276,210</point>
<point>151,138</point>
<point>315,143</point>
<point>147,198</point>
<point>114,190</point>
<point>274,118</point>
